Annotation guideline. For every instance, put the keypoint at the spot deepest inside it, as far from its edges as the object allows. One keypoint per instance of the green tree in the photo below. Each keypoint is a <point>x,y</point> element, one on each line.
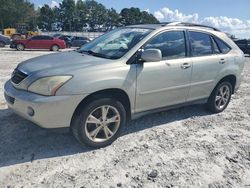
<point>68,14</point>
<point>13,12</point>
<point>97,14</point>
<point>113,19</point>
<point>132,16</point>
<point>46,17</point>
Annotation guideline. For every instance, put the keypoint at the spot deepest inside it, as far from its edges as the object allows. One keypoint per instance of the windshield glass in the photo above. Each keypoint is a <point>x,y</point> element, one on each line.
<point>115,44</point>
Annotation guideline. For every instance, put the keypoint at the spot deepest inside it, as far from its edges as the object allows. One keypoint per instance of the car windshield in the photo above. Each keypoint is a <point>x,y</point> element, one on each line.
<point>115,44</point>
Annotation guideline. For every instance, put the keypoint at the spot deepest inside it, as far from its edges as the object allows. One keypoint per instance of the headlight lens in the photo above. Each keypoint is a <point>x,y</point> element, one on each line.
<point>48,85</point>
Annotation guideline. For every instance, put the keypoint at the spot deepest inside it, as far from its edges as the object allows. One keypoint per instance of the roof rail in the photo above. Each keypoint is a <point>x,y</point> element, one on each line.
<point>188,24</point>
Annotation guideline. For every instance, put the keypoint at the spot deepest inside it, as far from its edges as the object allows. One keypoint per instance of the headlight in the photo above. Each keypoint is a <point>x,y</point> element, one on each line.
<point>48,85</point>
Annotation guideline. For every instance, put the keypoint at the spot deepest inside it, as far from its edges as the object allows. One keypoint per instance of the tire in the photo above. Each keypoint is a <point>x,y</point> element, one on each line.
<point>20,47</point>
<point>91,128</point>
<point>2,44</point>
<point>220,97</point>
<point>55,48</point>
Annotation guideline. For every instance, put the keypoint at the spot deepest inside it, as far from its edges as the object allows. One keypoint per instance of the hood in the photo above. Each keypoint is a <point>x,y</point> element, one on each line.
<point>62,62</point>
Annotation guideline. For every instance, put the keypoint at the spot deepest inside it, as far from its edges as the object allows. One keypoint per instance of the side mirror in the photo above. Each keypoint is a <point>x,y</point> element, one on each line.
<point>151,55</point>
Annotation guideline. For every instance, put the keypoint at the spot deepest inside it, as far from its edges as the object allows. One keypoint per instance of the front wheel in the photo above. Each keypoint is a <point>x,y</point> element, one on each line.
<point>20,47</point>
<point>99,122</point>
<point>220,97</point>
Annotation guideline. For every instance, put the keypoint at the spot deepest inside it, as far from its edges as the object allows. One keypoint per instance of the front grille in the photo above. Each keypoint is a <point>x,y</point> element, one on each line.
<point>18,76</point>
<point>9,99</point>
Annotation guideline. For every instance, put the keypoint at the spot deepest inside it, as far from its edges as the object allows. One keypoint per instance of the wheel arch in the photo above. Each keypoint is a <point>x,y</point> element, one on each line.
<point>231,79</point>
<point>24,45</point>
<point>54,44</point>
<point>116,93</point>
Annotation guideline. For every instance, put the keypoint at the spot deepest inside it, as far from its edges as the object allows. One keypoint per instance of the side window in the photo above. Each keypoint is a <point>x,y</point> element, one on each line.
<point>47,38</point>
<point>216,49</point>
<point>224,48</point>
<point>172,44</point>
<point>36,38</point>
<point>200,44</point>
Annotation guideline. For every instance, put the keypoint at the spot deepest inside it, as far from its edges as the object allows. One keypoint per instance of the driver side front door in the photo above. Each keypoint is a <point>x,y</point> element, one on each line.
<point>167,82</point>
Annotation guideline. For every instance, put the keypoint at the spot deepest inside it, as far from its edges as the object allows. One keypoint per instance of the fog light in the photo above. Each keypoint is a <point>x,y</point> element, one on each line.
<point>30,111</point>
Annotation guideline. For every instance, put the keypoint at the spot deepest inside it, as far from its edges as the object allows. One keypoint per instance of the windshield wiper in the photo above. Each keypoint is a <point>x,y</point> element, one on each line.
<point>94,53</point>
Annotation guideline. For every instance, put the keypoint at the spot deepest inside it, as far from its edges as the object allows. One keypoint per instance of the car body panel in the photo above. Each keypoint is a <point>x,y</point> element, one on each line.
<point>78,41</point>
<point>61,116</point>
<point>5,40</point>
<point>160,84</point>
<point>244,45</point>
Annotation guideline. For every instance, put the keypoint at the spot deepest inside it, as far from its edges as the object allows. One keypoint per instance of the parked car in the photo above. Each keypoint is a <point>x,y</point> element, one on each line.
<point>79,41</point>
<point>125,74</point>
<point>67,40</point>
<point>244,45</point>
<point>4,40</point>
<point>39,42</point>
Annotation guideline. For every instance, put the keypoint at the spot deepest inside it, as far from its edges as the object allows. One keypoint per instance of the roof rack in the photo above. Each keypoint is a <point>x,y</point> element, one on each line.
<point>188,24</point>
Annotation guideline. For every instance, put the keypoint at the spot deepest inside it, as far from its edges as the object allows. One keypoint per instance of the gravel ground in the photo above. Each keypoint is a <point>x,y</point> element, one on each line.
<point>186,147</point>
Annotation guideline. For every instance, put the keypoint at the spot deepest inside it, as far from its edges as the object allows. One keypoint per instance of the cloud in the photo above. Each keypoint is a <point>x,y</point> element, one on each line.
<point>240,28</point>
<point>175,15</point>
<point>54,4</point>
<point>231,25</point>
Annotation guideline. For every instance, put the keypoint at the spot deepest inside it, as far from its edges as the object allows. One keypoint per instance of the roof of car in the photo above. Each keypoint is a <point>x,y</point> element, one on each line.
<point>173,24</point>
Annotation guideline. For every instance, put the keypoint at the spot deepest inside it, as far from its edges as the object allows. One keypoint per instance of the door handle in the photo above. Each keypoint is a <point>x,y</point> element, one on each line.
<point>222,61</point>
<point>185,65</point>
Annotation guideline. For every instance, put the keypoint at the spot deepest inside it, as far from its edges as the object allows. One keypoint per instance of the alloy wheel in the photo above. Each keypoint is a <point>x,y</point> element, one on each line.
<point>102,123</point>
<point>222,96</point>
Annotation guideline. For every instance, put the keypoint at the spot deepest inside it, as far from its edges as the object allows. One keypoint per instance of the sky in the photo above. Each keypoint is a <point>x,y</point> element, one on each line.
<point>231,16</point>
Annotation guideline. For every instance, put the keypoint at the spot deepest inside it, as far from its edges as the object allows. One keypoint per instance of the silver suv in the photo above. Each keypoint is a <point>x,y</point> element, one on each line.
<point>124,74</point>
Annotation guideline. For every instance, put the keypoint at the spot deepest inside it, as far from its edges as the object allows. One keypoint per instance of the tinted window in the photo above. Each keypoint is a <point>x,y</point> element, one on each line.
<point>42,38</point>
<point>172,44</point>
<point>36,38</point>
<point>223,47</point>
<point>200,43</point>
<point>47,38</point>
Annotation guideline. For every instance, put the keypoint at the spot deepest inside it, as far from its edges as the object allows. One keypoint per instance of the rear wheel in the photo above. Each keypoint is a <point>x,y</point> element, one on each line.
<point>20,47</point>
<point>220,97</point>
<point>55,48</point>
<point>99,122</point>
<point>2,44</point>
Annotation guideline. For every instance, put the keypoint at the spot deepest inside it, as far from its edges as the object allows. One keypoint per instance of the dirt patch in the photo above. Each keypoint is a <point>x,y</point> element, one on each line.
<point>186,147</point>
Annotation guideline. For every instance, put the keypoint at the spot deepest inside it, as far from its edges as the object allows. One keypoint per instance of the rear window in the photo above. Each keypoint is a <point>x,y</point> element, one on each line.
<point>224,48</point>
<point>200,44</point>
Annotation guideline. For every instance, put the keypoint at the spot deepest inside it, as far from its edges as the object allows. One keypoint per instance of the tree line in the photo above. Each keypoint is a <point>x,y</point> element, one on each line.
<point>70,16</point>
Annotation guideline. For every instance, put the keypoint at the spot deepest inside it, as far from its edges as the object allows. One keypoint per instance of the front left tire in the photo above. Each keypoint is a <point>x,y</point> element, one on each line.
<point>20,47</point>
<point>99,122</point>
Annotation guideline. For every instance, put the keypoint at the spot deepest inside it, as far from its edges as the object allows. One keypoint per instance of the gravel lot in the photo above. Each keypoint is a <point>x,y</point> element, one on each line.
<point>186,147</point>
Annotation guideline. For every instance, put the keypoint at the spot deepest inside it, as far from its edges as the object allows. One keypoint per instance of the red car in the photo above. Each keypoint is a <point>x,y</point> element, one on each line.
<point>39,42</point>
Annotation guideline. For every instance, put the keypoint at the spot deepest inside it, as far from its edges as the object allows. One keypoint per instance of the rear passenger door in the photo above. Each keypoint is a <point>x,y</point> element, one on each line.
<point>209,58</point>
<point>46,42</point>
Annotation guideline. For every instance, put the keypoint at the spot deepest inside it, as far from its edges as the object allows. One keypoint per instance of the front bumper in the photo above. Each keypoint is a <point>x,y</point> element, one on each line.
<point>48,111</point>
